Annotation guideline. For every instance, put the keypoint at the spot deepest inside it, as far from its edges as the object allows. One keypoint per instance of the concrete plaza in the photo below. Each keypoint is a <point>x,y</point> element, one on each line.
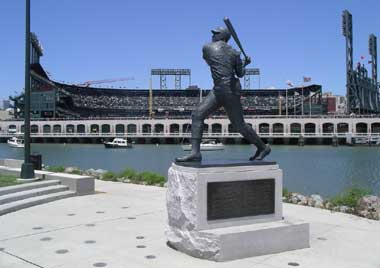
<point>123,225</point>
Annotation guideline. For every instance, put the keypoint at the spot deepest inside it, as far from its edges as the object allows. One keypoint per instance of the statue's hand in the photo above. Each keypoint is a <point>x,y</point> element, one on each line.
<point>247,61</point>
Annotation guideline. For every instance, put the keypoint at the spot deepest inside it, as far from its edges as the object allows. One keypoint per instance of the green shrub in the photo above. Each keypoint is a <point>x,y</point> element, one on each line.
<point>56,169</point>
<point>76,172</point>
<point>350,197</point>
<point>8,180</point>
<point>151,178</point>
<point>109,176</point>
<point>129,173</point>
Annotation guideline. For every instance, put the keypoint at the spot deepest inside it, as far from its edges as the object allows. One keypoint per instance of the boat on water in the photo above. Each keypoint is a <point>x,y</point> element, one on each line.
<point>207,145</point>
<point>361,141</point>
<point>374,141</point>
<point>16,142</point>
<point>118,143</point>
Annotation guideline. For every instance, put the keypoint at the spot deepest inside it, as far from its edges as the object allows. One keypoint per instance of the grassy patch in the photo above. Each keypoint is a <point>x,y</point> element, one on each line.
<point>129,173</point>
<point>350,197</point>
<point>151,178</point>
<point>56,169</point>
<point>76,172</point>
<point>110,176</point>
<point>8,180</point>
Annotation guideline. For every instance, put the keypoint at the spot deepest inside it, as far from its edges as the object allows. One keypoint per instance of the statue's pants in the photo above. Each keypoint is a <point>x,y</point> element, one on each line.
<point>232,105</point>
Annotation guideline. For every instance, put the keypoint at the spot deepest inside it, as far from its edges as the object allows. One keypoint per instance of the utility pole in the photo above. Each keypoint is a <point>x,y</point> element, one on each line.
<point>27,168</point>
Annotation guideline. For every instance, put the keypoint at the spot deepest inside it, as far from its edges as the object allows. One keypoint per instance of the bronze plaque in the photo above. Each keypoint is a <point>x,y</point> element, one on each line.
<point>235,199</point>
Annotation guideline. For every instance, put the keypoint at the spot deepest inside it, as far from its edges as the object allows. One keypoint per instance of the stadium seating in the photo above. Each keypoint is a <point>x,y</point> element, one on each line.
<point>88,102</point>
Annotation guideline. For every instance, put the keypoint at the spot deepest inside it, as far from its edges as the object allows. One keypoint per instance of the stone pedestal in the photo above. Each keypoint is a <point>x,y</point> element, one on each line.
<point>226,210</point>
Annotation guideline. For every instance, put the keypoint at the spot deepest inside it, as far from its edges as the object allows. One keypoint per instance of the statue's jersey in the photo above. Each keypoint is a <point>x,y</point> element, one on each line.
<point>225,63</point>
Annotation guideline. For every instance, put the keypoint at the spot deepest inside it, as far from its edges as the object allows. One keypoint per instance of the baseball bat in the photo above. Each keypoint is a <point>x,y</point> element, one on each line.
<point>234,35</point>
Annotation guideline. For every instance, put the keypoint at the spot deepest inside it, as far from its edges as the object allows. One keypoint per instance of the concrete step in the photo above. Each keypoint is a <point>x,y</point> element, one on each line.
<point>27,186</point>
<point>33,201</point>
<point>31,193</point>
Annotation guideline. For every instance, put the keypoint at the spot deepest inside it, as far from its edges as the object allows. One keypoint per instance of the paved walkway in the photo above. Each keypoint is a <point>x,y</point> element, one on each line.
<point>123,226</point>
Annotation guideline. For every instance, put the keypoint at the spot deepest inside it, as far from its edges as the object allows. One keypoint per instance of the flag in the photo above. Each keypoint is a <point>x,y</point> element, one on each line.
<point>306,79</point>
<point>362,57</point>
<point>289,83</point>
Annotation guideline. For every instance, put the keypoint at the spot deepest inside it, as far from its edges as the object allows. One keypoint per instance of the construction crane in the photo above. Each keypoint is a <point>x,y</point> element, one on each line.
<point>96,82</point>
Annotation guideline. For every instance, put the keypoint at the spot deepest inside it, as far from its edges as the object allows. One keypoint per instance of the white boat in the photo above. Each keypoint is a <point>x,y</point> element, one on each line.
<point>374,141</point>
<point>207,145</point>
<point>361,141</point>
<point>118,143</point>
<point>16,142</point>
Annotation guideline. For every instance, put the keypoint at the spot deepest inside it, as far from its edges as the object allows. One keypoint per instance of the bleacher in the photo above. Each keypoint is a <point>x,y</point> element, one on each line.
<point>88,102</point>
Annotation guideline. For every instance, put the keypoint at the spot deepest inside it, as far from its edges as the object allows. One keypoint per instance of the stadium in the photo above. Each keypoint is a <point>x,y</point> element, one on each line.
<point>51,99</point>
<point>82,102</point>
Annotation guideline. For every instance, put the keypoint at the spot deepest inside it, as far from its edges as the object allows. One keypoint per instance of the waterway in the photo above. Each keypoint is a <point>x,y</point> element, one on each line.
<point>325,170</point>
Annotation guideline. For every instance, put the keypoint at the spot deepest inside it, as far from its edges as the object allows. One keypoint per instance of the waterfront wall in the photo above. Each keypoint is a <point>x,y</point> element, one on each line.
<point>145,128</point>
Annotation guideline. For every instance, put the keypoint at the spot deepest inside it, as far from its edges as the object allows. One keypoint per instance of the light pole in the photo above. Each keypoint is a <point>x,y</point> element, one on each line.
<point>286,93</point>
<point>302,99</point>
<point>27,168</point>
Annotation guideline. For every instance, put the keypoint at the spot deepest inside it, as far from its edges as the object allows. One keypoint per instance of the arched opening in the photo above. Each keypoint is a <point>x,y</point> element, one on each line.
<point>132,128</point>
<point>186,128</point>
<point>81,128</point>
<point>231,129</point>
<point>342,128</point>
<point>46,129</point>
<point>147,128</point>
<point>174,128</point>
<point>94,128</point>
<point>375,128</point>
<point>310,128</point>
<point>216,128</point>
<point>106,128</point>
<point>328,128</point>
<point>158,128</point>
<point>278,128</point>
<point>264,128</point>
<point>57,129</point>
<point>33,129</point>
<point>12,128</point>
<point>70,129</point>
<point>295,128</point>
<point>361,128</point>
<point>120,129</point>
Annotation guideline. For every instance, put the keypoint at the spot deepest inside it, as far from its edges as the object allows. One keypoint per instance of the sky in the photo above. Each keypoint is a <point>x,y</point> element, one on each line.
<point>95,39</point>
